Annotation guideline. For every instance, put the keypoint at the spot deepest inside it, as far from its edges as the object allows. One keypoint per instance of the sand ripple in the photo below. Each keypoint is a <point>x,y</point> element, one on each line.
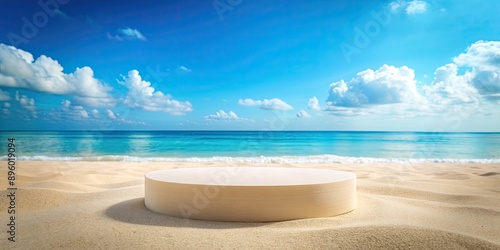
<point>82,205</point>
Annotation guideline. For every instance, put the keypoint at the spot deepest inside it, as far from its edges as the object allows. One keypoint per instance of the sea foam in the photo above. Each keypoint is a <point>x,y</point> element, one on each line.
<point>260,159</point>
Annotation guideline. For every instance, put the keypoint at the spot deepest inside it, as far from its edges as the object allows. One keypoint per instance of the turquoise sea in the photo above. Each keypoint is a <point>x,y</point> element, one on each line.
<point>253,146</point>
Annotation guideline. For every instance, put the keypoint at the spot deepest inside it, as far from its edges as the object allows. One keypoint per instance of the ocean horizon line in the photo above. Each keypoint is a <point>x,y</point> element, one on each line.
<point>262,130</point>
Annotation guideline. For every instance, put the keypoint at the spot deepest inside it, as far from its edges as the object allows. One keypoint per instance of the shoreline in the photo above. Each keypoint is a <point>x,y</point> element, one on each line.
<point>285,159</point>
<point>100,204</point>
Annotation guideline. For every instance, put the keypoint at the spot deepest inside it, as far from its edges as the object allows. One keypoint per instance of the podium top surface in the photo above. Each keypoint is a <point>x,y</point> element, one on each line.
<point>249,176</point>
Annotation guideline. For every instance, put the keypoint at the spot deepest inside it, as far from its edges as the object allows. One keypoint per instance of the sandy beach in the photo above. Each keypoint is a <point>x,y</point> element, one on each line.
<point>100,205</point>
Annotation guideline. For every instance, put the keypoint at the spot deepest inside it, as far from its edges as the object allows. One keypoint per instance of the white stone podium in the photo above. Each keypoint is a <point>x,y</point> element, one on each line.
<point>250,194</point>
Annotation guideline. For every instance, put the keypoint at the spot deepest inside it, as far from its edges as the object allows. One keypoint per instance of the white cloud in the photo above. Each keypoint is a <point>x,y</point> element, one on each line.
<point>65,104</point>
<point>416,7</point>
<point>391,90</point>
<point>273,104</point>
<point>110,114</point>
<point>223,116</point>
<point>183,69</point>
<point>69,112</point>
<point>80,111</point>
<point>484,59</point>
<point>313,103</point>
<point>95,113</point>
<point>386,85</point>
<point>303,114</point>
<point>476,91</point>
<point>25,102</point>
<point>28,108</point>
<point>127,34</point>
<point>4,95</point>
<point>5,109</point>
<point>116,117</point>
<point>142,95</point>
<point>345,111</point>
<point>450,88</point>
<point>95,102</point>
<point>487,82</point>
<point>21,70</point>
<point>394,6</point>
<point>410,7</point>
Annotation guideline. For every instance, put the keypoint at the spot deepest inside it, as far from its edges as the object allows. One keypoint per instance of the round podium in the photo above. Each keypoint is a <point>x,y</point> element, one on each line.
<point>250,194</point>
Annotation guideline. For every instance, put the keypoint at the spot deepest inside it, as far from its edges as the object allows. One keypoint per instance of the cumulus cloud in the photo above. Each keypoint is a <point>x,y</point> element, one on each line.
<point>395,6</point>
<point>26,102</point>
<point>4,95</point>
<point>223,116</point>
<point>65,104</point>
<point>410,7</point>
<point>110,114</point>
<point>5,109</point>
<point>82,112</point>
<point>183,69</point>
<point>416,7</point>
<point>477,90</point>
<point>116,117</point>
<point>127,34</point>
<point>95,113</point>
<point>19,69</point>
<point>313,103</point>
<point>28,110</point>
<point>449,87</point>
<point>393,91</point>
<point>5,112</point>
<point>303,114</point>
<point>483,80</point>
<point>67,111</point>
<point>483,55</point>
<point>273,104</point>
<point>142,95</point>
<point>386,85</point>
<point>484,59</point>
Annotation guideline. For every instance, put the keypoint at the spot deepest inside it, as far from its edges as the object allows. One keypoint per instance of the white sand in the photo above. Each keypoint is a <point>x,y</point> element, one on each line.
<point>99,205</point>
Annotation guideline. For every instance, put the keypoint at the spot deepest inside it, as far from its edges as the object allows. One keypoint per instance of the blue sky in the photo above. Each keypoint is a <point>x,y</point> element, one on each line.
<point>248,65</point>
